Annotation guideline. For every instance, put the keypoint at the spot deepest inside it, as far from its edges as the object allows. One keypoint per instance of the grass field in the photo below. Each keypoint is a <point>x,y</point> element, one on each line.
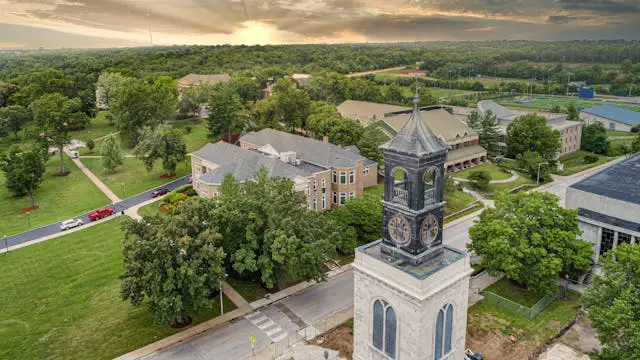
<point>134,175</point>
<point>250,290</point>
<point>443,92</point>
<point>506,187</point>
<point>496,172</point>
<point>511,291</point>
<point>98,127</point>
<point>619,133</point>
<point>151,209</point>
<point>197,138</point>
<point>574,163</point>
<point>59,198</point>
<point>547,103</point>
<point>61,300</point>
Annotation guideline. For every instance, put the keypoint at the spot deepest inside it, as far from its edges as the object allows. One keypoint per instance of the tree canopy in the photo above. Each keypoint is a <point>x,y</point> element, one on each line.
<point>111,152</point>
<point>164,142</point>
<point>594,138</point>
<point>23,169</point>
<point>532,239</point>
<point>531,133</point>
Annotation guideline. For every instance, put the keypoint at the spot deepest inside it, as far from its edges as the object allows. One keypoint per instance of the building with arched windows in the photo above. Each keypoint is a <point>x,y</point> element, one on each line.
<point>410,290</point>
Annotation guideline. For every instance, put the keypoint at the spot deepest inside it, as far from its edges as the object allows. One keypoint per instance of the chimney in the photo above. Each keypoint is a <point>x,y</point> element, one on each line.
<point>325,139</point>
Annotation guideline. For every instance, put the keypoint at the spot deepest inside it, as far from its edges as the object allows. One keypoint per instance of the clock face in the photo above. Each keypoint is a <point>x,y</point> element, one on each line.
<point>429,231</point>
<point>399,229</point>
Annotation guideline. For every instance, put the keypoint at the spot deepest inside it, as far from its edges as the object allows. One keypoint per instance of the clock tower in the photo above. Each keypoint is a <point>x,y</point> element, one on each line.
<point>410,289</point>
<point>413,206</point>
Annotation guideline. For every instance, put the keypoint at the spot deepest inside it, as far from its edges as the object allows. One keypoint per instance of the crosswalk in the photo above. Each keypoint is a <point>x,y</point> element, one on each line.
<point>274,331</point>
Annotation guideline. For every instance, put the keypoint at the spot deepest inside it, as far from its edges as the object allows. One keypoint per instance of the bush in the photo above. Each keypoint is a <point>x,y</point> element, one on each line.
<point>480,178</point>
<point>635,129</point>
<point>183,188</point>
<point>91,144</point>
<point>188,129</point>
<point>590,158</point>
<point>177,197</point>
<point>191,192</point>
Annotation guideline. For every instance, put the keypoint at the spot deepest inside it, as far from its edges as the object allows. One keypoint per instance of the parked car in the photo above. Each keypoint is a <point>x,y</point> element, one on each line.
<point>191,179</point>
<point>100,213</point>
<point>159,192</point>
<point>69,224</point>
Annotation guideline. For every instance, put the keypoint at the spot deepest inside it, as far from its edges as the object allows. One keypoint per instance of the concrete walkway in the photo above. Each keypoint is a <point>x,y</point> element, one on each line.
<point>102,137</point>
<point>515,176</point>
<point>104,188</point>
<point>100,156</point>
<point>620,137</point>
<point>233,295</point>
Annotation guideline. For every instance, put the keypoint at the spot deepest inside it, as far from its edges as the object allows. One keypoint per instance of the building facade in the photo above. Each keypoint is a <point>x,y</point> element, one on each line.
<point>410,290</point>
<point>608,205</point>
<point>611,117</point>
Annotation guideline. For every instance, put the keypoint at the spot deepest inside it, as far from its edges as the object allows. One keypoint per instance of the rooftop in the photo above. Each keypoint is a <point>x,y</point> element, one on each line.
<point>242,163</point>
<point>615,113</point>
<point>197,79</point>
<point>620,181</point>
<point>499,111</point>
<point>421,271</point>
<point>311,151</point>
<point>366,112</point>
<point>443,124</point>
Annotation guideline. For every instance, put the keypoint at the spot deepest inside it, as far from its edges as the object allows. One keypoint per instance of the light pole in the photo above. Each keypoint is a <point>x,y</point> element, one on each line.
<point>6,245</point>
<point>538,177</point>
<point>28,219</point>
<point>221,301</point>
<point>123,189</point>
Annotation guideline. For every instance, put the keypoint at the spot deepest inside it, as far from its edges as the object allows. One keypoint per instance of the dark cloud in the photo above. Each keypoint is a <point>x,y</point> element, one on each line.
<point>605,6</point>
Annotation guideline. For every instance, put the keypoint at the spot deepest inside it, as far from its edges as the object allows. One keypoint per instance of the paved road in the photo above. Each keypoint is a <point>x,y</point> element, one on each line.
<point>231,341</point>
<point>120,206</point>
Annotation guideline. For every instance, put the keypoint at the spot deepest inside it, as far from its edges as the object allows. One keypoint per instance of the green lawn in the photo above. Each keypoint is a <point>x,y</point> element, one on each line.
<point>453,201</point>
<point>496,172</point>
<point>506,187</point>
<point>61,300</point>
<point>197,138</point>
<point>619,133</point>
<point>134,175</point>
<point>547,103</point>
<point>98,127</point>
<point>515,293</point>
<point>444,92</point>
<point>574,163</point>
<point>152,209</point>
<point>59,198</point>
<point>250,290</point>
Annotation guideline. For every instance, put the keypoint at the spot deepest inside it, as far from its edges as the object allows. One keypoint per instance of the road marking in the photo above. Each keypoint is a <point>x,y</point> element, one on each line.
<point>269,327</point>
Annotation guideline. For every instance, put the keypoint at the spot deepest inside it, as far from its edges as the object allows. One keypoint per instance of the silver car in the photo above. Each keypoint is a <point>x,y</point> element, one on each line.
<point>71,223</point>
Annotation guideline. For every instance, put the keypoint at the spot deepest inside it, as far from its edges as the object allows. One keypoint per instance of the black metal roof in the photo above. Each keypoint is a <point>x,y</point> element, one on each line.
<point>620,181</point>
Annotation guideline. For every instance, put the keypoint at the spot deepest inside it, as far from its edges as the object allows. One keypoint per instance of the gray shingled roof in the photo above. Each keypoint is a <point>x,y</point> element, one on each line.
<point>620,181</point>
<point>242,163</point>
<point>197,79</point>
<point>499,111</point>
<point>309,150</point>
<point>415,138</point>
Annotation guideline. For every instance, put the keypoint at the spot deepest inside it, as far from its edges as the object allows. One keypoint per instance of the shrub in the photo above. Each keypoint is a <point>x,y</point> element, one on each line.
<point>635,129</point>
<point>91,144</point>
<point>183,188</point>
<point>590,158</point>
<point>480,178</point>
<point>177,197</point>
<point>191,192</point>
<point>188,129</point>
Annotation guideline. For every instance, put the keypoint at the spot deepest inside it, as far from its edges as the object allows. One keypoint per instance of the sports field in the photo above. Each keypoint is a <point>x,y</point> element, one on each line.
<point>541,102</point>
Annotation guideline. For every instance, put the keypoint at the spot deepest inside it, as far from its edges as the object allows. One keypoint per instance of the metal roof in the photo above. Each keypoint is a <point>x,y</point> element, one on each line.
<point>499,111</point>
<point>620,181</point>
<point>366,112</point>
<point>615,113</point>
<point>443,124</point>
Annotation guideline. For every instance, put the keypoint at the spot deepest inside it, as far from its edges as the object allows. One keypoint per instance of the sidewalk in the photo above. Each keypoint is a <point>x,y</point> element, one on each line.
<point>104,188</point>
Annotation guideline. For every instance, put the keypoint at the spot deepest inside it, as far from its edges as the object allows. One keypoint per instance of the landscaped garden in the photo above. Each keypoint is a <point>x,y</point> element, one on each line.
<point>61,300</point>
<point>574,163</point>
<point>134,175</point>
<point>495,171</point>
<point>58,198</point>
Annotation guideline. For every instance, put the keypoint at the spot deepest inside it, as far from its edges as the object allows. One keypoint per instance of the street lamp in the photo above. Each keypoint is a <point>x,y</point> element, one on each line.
<point>28,219</point>
<point>123,189</point>
<point>222,302</point>
<point>538,177</point>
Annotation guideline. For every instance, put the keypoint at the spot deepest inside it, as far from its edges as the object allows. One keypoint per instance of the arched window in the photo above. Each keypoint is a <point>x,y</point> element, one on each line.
<point>444,332</point>
<point>384,328</point>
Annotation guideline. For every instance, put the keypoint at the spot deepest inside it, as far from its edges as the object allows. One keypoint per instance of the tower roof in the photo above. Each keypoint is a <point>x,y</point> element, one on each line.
<point>415,138</point>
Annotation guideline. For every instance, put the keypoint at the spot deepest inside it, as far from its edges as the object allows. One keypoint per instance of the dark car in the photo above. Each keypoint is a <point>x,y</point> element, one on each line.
<point>159,192</point>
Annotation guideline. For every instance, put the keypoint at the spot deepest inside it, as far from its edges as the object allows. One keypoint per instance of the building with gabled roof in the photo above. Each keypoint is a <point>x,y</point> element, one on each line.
<point>365,112</point>
<point>195,80</point>
<point>611,117</point>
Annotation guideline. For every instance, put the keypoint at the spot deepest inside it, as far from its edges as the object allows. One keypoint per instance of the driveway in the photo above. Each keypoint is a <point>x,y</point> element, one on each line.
<point>122,205</point>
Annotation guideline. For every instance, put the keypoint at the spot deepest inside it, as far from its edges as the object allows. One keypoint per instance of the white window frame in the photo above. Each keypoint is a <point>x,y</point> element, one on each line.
<point>324,201</point>
<point>365,171</point>
<point>343,198</point>
<point>315,203</point>
<point>315,185</point>
<point>335,197</point>
<point>352,195</point>
<point>352,176</point>
<point>343,176</point>
<point>323,183</point>
<point>334,177</point>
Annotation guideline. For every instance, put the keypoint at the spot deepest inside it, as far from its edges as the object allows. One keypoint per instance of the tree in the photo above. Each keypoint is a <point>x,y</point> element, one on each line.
<point>572,112</point>
<point>108,88</point>
<point>172,262</point>
<point>393,94</point>
<point>594,139</point>
<point>111,152</point>
<point>369,144</point>
<point>534,165</point>
<point>23,169</point>
<point>291,106</point>
<point>55,115</point>
<point>426,97</point>
<point>327,86</point>
<point>267,234</point>
<point>480,178</point>
<point>532,239</point>
<point>487,127</point>
<point>531,133</point>
<point>91,144</point>
<point>141,104</point>
<point>612,303</point>
<point>224,107</point>
<point>247,89</point>
<point>166,143</point>
<point>326,121</point>
<point>635,146</point>
<point>362,216</point>
<point>15,117</point>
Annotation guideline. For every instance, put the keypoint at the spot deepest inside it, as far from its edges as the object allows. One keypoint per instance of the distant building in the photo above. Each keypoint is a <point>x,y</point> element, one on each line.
<point>577,84</point>
<point>415,72</point>
<point>570,131</point>
<point>462,140</point>
<point>301,79</point>
<point>195,80</point>
<point>586,92</point>
<point>611,117</point>
<point>608,205</point>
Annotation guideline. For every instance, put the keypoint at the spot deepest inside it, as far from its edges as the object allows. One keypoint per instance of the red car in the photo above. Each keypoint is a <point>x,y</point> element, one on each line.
<point>100,213</point>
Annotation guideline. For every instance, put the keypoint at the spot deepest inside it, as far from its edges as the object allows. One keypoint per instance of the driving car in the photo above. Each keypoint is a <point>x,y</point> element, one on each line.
<point>69,224</point>
<point>159,192</point>
<point>100,213</point>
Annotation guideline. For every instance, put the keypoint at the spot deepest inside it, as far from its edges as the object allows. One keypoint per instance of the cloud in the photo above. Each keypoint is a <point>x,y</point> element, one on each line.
<point>605,6</point>
<point>482,29</point>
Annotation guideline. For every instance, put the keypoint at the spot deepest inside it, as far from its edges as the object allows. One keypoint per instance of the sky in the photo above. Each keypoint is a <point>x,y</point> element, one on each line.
<point>26,24</point>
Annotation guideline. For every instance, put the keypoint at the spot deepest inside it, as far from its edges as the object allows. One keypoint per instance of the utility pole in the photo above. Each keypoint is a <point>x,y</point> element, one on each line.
<point>538,177</point>
<point>568,77</point>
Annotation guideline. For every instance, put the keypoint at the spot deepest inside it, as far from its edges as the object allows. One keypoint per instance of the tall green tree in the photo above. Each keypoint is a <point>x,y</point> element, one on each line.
<point>291,106</point>
<point>487,127</point>
<point>480,178</point>
<point>532,239</point>
<point>224,108</point>
<point>172,263</point>
<point>534,165</point>
<point>362,217</point>
<point>594,139</point>
<point>164,142</point>
<point>613,306</point>
<point>24,169</point>
<point>326,121</point>
<point>246,88</point>
<point>635,145</point>
<point>531,133</point>
<point>369,144</point>
<point>111,152</point>
<point>15,117</point>
<point>327,86</point>
<point>572,112</point>
<point>142,103</point>
<point>55,115</point>
<point>108,88</point>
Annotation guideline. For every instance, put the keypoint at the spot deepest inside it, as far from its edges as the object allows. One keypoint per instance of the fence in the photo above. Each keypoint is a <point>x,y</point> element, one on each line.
<point>283,348</point>
<point>513,307</point>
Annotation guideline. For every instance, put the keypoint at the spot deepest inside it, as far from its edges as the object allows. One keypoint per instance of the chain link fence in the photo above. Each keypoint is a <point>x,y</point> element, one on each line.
<point>518,309</point>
